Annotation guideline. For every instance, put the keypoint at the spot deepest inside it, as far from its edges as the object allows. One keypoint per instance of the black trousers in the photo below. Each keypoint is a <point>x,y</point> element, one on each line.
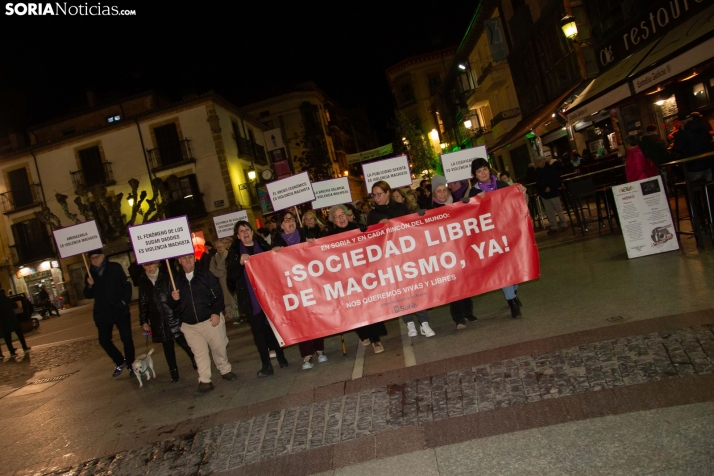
<point>105,340</point>
<point>461,309</point>
<point>264,338</point>
<point>8,338</point>
<point>372,332</point>
<point>51,306</point>
<point>170,353</point>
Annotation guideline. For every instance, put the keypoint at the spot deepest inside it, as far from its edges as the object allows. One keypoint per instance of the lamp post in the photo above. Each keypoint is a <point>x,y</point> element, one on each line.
<point>570,30</point>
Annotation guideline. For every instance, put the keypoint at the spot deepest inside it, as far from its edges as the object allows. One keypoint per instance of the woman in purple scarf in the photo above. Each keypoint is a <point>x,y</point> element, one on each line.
<point>246,245</point>
<point>292,235</point>
<point>484,182</point>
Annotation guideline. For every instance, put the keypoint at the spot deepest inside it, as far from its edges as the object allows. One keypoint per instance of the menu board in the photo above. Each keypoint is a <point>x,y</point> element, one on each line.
<point>645,217</point>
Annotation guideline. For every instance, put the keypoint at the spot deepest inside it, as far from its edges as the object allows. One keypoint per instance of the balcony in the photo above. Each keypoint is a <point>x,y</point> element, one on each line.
<point>166,157</point>
<point>250,151</point>
<point>191,205</point>
<point>503,115</point>
<point>25,253</point>
<point>21,199</point>
<point>91,176</point>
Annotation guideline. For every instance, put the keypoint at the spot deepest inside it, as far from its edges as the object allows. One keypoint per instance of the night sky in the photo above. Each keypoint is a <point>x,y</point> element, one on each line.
<point>241,51</point>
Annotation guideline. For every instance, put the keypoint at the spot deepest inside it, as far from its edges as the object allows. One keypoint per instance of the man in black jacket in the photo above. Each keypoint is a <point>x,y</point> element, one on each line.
<point>108,286</point>
<point>199,299</point>
<point>548,184</point>
<point>10,324</point>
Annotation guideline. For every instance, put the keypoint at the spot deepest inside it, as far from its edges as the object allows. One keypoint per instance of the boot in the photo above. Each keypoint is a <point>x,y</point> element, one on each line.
<point>515,308</point>
<point>282,360</point>
<point>174,375</point>
<point>266,371</point>
<point>518,301</point>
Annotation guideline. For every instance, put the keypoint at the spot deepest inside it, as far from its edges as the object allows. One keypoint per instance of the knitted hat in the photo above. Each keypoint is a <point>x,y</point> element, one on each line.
<point>437,181</point>
<point>95,252</point>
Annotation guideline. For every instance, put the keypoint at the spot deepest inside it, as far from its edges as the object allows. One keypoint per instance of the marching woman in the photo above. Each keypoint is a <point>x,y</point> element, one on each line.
<point>156,315</point>
<point>372,332</point>
<point>484,182</point>
<point>292,235</point>
<point>311,225</point>
<point>383,211</point>
<point>246,245</point>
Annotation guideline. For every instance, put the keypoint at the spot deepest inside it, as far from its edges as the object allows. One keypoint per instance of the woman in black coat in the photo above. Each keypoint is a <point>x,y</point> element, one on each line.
<point>156,315</point>
<point>245,245</point>
<point>290,235</point>
<point>372,332</point>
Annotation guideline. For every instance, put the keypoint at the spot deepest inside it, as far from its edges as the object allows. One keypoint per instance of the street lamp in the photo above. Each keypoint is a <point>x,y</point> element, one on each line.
<point>434,135</point>
<point>251,175</point>
<point>467,123</point>
<point>570,30</point>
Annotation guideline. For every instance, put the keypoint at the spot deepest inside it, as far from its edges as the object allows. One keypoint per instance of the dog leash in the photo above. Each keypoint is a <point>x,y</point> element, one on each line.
<point>146,335</point>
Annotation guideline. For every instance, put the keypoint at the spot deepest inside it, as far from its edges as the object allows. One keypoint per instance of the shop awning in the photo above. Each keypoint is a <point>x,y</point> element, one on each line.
<point>607,89</point>
<point>533,120</point>
<point>697,31</point>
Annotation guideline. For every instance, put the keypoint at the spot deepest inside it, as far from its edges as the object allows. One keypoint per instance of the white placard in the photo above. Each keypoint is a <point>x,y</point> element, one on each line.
<point>290,191</point>
<point>457,165</point>
<point>331,192</point>
<point>394,171</point>
<point>77,239</point>
<point>645,217</point>
<point>224,223</point>
<point>161,240</point>
<point>274,139</point>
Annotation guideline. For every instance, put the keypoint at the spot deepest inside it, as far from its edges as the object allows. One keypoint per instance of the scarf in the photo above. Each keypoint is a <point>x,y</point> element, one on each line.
<point>291,238</point>
<point>153,277</point>
<point>251,292</point>
<point>488,186</point>
<point>459,194</point>
<point>99,269</point>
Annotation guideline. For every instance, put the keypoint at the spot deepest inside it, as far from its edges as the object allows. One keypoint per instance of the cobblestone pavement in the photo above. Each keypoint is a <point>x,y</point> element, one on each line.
<point>586,368</point>
<point>22,367</point>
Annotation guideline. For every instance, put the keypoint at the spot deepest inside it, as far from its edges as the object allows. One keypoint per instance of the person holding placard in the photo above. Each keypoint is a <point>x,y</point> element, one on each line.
<point>108,285</point>
<point>218,268</point>
<point>485,182</point>
<point>312,226</point>
<point>246,245</point>
<point>199,300</point>
<point>292,235</point>
<point>157,316</point>
<point>383,211</point>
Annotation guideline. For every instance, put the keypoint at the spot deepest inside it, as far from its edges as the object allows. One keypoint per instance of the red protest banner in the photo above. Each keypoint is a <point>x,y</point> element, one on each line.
<point>352,279</point>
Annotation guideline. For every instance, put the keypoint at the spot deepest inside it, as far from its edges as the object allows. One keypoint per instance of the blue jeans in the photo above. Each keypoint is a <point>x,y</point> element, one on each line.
<point>421,316</point>
<point>510,292</point>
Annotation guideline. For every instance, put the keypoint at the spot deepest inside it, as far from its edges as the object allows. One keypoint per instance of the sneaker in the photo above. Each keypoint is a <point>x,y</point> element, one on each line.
<point>366,342</point>
<point>378,347</point>
<point>273,355</point>
<point>118,370</point>
<point>461,325</point>
<point>307,363</point>
<point>204,387</point>
<point>471,318</point>
<point>411,329</point>
<point>27,349</point>
<point>321,357</point>
<point>552,231</point>
<point>230,376</point>
<point>426,330</point>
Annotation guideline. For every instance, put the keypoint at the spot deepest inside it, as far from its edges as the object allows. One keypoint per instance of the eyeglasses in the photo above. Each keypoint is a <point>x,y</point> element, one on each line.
<point>378,194</point>
<point>289,220</point>
<point>350,214</point>
<point>341,215</point>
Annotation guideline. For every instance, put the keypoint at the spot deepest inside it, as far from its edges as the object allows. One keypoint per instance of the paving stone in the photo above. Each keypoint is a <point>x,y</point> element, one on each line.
<point>693,349</point>
<point>409,404</point>
<point>595,373</point>
<point>396,401</point>
<point>364,413</point>
<point>318,418</point>
<point>660,357</point>
<point>287,427</point>
<point>439,409</point>
<point>348,430</point>
<point>334,421</point>
<point>608,362</point>
<point>302,427</point>
<point>257,430</point>
<point>380,410</point>
<point>424,400</point>
<point>267,447</point>
<point>545,374</point>
<point>468,392</point>
<point>484,391</point>
<point>576,370</point>
<point>240,443</point>
<point>453,394</point>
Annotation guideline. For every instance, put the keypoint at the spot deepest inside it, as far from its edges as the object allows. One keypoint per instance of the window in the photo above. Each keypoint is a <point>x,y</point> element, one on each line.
<point>113,118</point>
<point>31,241</point>
<point>92,167</point>
<point>434,81</point>
<point>167,141</point>
<point>20,188</point>
<point>700,96</point>
<point>407,93</point>
<point>184,197</point>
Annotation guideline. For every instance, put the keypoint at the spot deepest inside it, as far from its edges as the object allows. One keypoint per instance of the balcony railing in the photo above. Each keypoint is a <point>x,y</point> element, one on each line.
<point>251,151</point>
<point>21,198</point>
<point>503,115</point>
<point>171,155</point>
<point>91,176</point>
<point>28,252</point>
<point>192,206</point>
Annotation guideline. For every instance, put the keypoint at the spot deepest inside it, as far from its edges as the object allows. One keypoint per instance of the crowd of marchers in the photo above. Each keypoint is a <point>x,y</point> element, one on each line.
<point>209,291</point>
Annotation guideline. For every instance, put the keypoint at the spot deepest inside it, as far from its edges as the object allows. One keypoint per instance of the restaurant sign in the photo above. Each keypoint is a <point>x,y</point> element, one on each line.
<point>651,25</point>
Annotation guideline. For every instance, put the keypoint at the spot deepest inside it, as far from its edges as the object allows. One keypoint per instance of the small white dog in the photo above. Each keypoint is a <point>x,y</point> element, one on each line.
<point>141,367</point>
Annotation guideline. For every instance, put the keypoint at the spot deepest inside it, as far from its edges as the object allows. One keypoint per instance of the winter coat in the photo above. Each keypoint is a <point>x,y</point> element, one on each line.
<point>693,140</point>
<point>111,293</point>
<point>235,276</point>
<point>391,210</point>
<point>548,177</point>
<point>654,148</point>
<point>200,298</point>
<point>637,166</point>
<point>475,190</point>
<point>8,319</point>
<point>350,226</point>
<point>154,308</point>
<point>312,232</point>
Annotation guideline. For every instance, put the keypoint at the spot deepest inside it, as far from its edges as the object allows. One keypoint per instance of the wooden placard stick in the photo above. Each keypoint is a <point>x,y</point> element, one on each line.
<point>171,275</point>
